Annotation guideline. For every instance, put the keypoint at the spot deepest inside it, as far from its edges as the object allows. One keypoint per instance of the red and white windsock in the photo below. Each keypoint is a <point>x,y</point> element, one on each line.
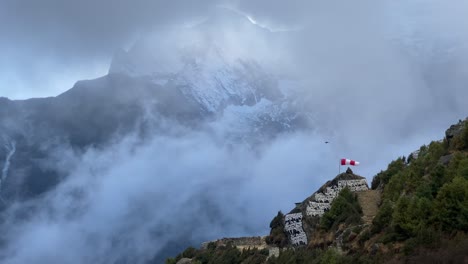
<point>349,162</point>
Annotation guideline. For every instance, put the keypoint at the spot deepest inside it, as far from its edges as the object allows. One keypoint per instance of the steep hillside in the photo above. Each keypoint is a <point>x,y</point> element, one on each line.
<point>416,212</point>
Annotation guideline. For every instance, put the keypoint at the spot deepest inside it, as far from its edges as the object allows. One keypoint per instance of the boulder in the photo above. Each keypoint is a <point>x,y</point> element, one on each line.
<point>184,261</point>
<point>445,160</point>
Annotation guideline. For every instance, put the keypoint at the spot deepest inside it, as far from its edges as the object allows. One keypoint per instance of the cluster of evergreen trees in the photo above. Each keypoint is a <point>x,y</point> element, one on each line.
<point>344,209</point>
<point>425,200</point>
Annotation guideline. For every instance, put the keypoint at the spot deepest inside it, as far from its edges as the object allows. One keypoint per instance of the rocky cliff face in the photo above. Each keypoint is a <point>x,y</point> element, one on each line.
<point>455,130</point>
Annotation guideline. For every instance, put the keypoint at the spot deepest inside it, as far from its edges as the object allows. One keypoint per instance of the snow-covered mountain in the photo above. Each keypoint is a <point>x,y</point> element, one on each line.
<point>229,86</point>
<point>193,82</point>
<point>238,93</point>
<point>197,83</point>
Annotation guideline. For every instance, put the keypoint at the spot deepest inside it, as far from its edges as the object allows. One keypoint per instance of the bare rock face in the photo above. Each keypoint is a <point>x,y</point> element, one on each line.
<point>445,160</point>
<point>184,261</point>
<point>455,130</point>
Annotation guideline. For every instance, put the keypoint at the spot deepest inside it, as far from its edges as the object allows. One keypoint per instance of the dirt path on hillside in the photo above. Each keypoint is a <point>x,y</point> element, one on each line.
<point>369,201</point>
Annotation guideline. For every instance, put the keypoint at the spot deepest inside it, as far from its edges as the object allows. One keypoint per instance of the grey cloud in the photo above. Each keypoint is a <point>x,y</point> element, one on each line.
<point>128,202</point>
<point>370,81</point>
<point>377,75</point>
<point>49,36</point>
<point>89,26</point>
<point>132,200</point>
<point>64,38</point>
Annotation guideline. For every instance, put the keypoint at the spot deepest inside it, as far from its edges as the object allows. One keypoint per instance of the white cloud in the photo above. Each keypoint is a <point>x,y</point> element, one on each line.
<point>130,200</point>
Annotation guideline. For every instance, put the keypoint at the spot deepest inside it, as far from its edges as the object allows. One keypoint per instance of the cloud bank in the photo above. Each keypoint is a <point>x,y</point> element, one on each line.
<point>128,202</point>
<point>49,45</point>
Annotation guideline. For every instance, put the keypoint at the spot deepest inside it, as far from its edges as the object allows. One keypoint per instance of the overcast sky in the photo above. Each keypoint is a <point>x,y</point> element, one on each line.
<point>46,46</point>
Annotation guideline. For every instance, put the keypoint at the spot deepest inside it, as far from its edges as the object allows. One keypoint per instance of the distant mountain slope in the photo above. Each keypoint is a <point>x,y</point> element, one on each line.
<point>201,87</point>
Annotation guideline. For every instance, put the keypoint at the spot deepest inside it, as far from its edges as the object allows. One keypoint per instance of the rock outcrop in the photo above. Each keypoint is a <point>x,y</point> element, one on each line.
<point>185,261</point>
<point>455,130</point>
<point>445,160</point>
